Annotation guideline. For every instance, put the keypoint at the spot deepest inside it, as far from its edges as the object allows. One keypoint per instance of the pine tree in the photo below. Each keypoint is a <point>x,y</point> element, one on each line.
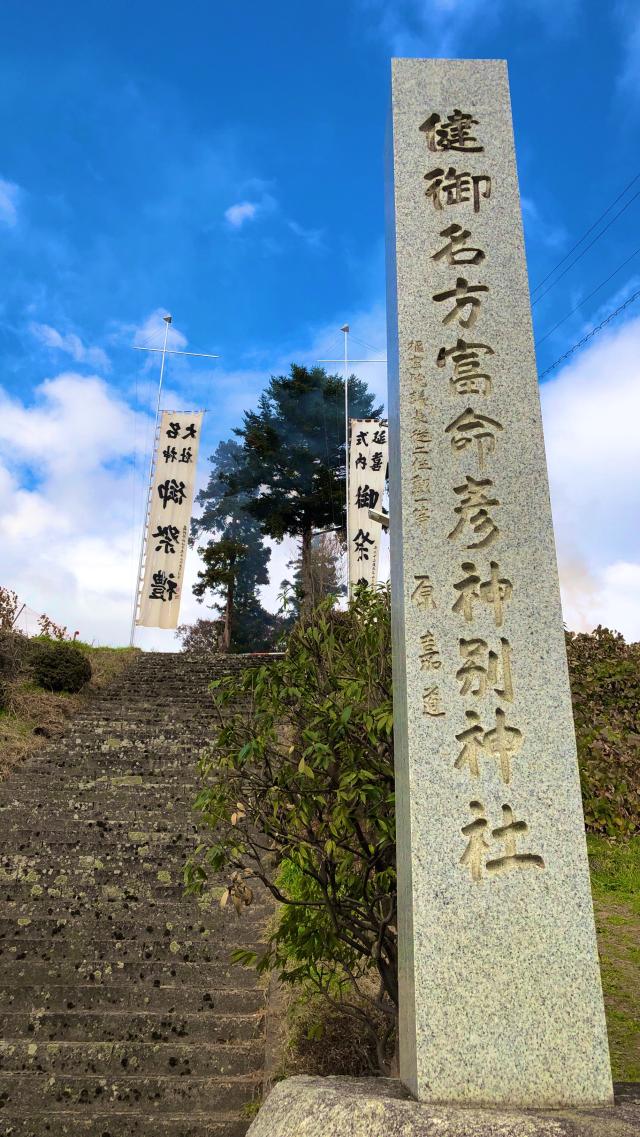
<point>325,571</point>
<point>292,473</point>
<point>222,560</point>
<point>235,564</point>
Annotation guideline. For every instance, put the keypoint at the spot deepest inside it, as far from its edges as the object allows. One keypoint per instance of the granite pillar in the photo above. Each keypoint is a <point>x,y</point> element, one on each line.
<point>501,1001</point>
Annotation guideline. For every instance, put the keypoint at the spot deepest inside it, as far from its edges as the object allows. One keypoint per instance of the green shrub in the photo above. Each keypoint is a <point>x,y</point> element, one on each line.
<point>61,667</point>
<point>299,793</point>
<point>605,687</point>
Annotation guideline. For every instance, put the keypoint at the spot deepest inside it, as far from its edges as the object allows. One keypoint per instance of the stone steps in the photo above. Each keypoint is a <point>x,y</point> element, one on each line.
<point>112,1059</point>
<point>183,950</point>
<point>120,787</point>
<point>92,841</point>
<point>112,970</point>
<point>163,922</point>
<point>124,1026</point>
<point>56,826</point>
<point>120,1012</point>
<point>129,1124</point>
<point>114,811</point>
<point>114,996</point>
<point>82,1092</point>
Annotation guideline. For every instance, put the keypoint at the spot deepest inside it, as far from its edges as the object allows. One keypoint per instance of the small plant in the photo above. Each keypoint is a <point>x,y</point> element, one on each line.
<point>299,794</point>
<point>50,629</point>
<point>61,667</point>
<point>251,1108</point>
<point>8,608</point>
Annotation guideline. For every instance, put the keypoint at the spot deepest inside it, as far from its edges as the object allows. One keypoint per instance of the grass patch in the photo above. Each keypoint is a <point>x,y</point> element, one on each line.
<point>615,882</point>
<point>33,716</point>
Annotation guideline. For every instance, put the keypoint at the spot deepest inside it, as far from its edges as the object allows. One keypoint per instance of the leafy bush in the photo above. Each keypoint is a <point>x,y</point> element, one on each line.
<point>299,793</point>
<point>61,667</point>
<point>605,687</point>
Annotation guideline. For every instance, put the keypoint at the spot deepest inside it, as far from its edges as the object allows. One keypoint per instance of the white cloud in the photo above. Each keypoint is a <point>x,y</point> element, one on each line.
<point>259,207</point>
<point>426,27</point>
<point>71,518</point>
<point>441,27</point>
<point>628,19</point>
<point>242,211</point>
<point>539,228</point>
<point>68,527</point>
<point>73,504</point>
<point>70,344</point>
<point>151,332</point>
<point>367,341</point>
<point>312,237</point>
<point>590,411</point>
<point>9,195</point>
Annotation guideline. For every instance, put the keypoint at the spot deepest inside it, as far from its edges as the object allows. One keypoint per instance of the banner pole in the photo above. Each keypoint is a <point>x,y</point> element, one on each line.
<point>345,329</point>
<point>167,321</point>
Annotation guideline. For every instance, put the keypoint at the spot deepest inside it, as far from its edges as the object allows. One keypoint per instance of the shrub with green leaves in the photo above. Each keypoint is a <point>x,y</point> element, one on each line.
<point>60,667</point>
<point>299,793</point>
<point>605,688</point>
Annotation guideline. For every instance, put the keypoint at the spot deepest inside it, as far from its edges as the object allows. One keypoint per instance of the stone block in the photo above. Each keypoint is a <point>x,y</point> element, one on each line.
<point>382,1107</point>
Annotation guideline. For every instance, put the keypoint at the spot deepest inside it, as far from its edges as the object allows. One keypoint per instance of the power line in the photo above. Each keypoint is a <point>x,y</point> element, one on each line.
<point>594,332</point>
<point>333,346</point>
<point>364,343</point>
<point>583,301</point>
<point>153,337</point>
<point>586,250</point>
<point>586,234</point>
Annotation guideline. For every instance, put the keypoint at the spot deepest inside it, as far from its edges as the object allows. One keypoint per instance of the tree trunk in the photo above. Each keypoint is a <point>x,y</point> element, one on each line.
<point>307,583</point>
<point>225,641</point>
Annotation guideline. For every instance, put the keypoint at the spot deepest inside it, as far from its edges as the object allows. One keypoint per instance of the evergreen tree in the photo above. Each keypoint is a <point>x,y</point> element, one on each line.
<point>225,513</point>
<point>291,477</point>
<point>222,565</point>
<point>235,564</point>
<point>255,629</point>
<point>325,571</point>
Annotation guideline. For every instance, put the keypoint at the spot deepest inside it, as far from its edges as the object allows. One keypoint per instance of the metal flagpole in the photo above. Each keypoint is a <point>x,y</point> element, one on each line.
<point>346,329</point>
<point>167,321</point>
<point>163,350</point>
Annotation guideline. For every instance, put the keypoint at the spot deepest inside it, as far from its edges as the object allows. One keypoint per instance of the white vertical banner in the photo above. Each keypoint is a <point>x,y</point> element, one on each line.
<point>167,531</point>
<point>368,458</point>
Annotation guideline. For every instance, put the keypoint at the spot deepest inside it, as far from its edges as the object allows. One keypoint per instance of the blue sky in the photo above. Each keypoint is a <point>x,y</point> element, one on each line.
<point>225,163</point>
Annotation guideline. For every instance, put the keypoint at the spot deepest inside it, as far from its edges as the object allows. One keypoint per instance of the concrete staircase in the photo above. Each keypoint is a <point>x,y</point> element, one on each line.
<point>119,1011</point>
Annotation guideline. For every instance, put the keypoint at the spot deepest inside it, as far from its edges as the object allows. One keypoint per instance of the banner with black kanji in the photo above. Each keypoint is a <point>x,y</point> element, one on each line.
<point>368,459</point>
<point>169,516</point>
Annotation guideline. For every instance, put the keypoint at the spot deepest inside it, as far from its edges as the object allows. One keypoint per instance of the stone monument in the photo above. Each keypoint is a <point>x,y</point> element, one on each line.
<point>501,1012</point>
<point>500,996</point>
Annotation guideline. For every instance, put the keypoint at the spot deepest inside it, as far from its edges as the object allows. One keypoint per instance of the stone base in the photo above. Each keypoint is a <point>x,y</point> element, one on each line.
<point>381,1107</point>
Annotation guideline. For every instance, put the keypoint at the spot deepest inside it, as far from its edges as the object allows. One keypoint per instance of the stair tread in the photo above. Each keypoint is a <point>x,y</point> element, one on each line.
<point>103,959</point>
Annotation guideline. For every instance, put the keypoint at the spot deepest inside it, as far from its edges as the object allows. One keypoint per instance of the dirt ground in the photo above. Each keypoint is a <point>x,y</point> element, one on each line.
<point>33,716</point>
